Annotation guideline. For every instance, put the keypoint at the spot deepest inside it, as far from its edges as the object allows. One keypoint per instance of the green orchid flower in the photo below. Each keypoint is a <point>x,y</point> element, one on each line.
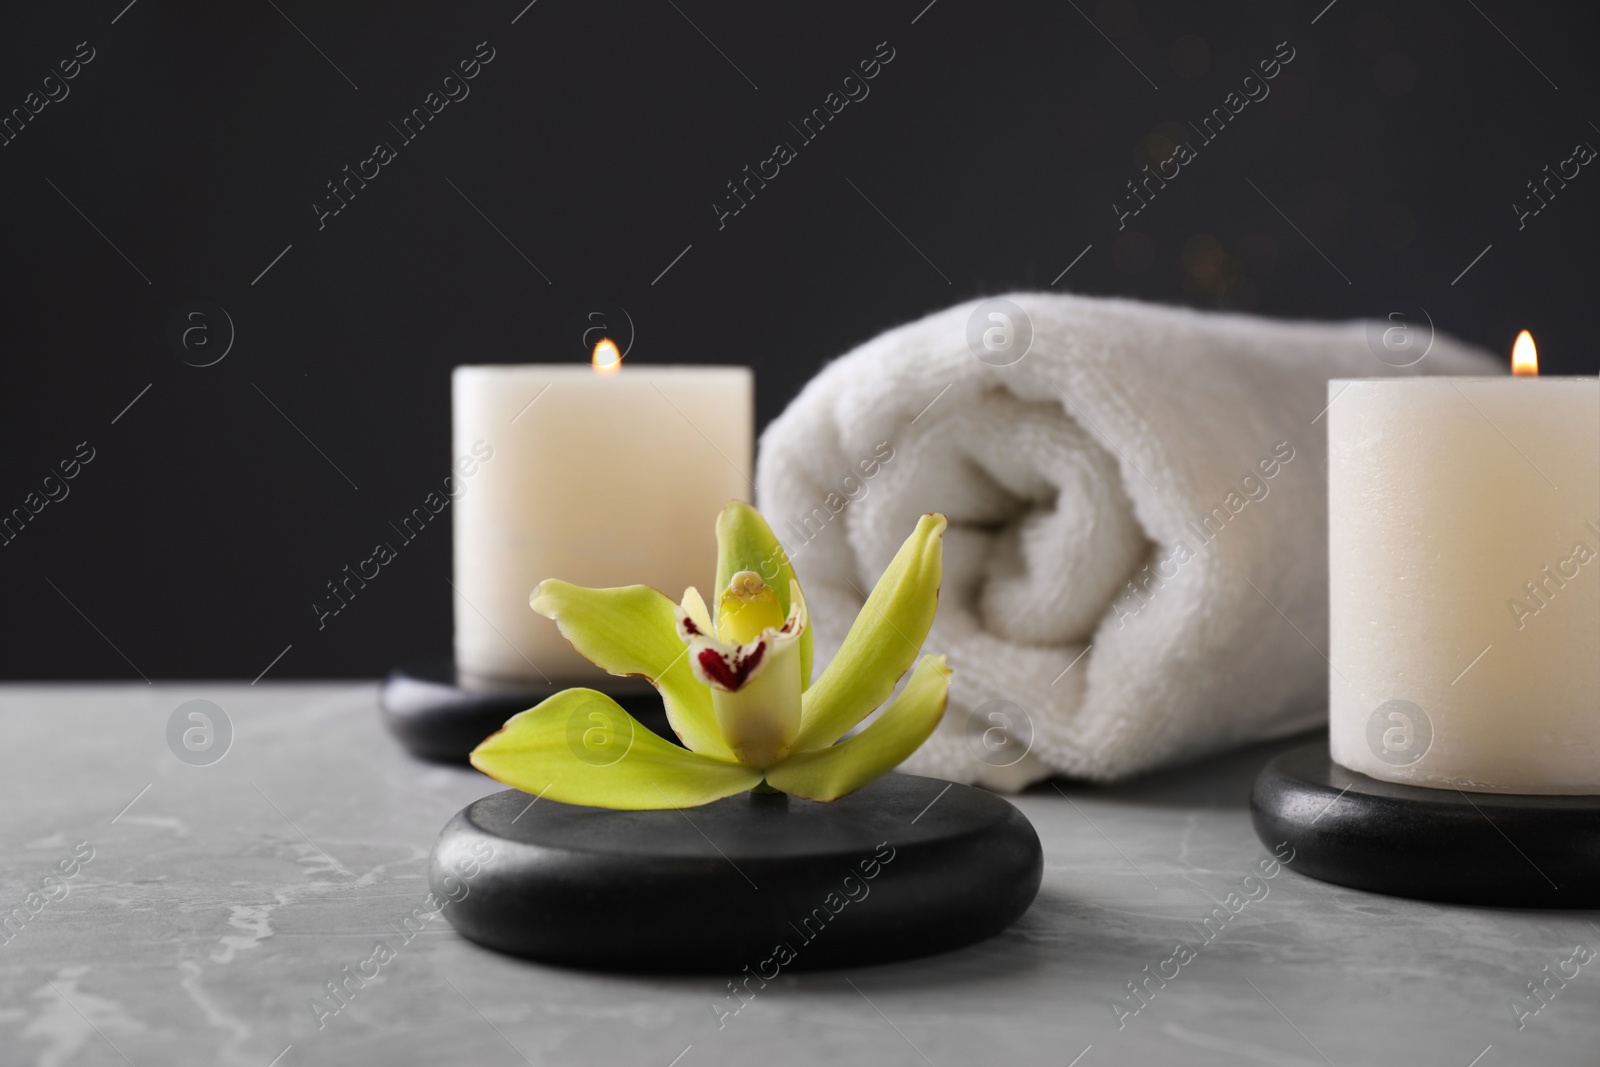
<point>737,688</point>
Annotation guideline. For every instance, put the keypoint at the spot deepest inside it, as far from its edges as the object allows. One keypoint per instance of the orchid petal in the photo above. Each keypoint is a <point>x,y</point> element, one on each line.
<point>882,643</point>
<point>884,640</point>
<point>746,543</point>
<point>633,629</point>
<point>581,747</point>
<point>694,606</point>
<point>829,773</point>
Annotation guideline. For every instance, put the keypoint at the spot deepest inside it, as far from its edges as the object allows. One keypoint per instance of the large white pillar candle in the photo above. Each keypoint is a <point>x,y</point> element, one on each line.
<point>1464,582</point>
<point>597,479</point>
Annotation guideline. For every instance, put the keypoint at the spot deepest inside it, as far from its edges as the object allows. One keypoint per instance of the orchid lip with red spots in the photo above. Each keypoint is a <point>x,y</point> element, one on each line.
<point>729,665</point>
<point>750,660</point>
<point>727,675</point>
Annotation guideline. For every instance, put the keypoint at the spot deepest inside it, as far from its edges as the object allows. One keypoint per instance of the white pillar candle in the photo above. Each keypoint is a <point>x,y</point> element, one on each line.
<point>1464,582</point>
<point>596,479</point>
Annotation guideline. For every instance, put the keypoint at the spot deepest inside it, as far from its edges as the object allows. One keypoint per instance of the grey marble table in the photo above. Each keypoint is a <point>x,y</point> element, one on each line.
<point>216,903</point>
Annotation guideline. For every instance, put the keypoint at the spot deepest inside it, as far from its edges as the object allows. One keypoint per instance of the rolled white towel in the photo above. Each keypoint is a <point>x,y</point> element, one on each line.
<point>1137,552</point>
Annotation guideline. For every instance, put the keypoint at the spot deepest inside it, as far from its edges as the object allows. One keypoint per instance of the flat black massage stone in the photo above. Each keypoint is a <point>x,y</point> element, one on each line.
<point>435,717</point>
<point>1512,850</point>
<point>904,867</point>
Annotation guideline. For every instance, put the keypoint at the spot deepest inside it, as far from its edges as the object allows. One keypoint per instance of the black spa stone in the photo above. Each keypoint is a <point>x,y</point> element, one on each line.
<point>428,710</point>
<point>906,866</point>
<point>1514,850</point>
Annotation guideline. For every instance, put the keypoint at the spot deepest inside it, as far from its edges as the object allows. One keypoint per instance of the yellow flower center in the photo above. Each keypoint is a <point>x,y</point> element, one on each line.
<point>747,607</point>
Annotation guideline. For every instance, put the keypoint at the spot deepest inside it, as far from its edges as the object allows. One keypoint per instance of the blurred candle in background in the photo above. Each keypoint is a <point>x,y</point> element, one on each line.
<point>1464,580</point>
<point>600,476</point>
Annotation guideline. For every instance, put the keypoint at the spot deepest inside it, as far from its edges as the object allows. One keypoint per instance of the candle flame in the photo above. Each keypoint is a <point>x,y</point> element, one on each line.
<point>1524,356</point>
<point>606,358</point>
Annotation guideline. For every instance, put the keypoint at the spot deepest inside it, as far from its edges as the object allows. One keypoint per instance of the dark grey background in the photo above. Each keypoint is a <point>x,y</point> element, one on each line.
<point>198,139</point>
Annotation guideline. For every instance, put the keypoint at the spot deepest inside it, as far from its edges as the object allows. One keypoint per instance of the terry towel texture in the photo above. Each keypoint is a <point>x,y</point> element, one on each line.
<point>1136,563</point>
